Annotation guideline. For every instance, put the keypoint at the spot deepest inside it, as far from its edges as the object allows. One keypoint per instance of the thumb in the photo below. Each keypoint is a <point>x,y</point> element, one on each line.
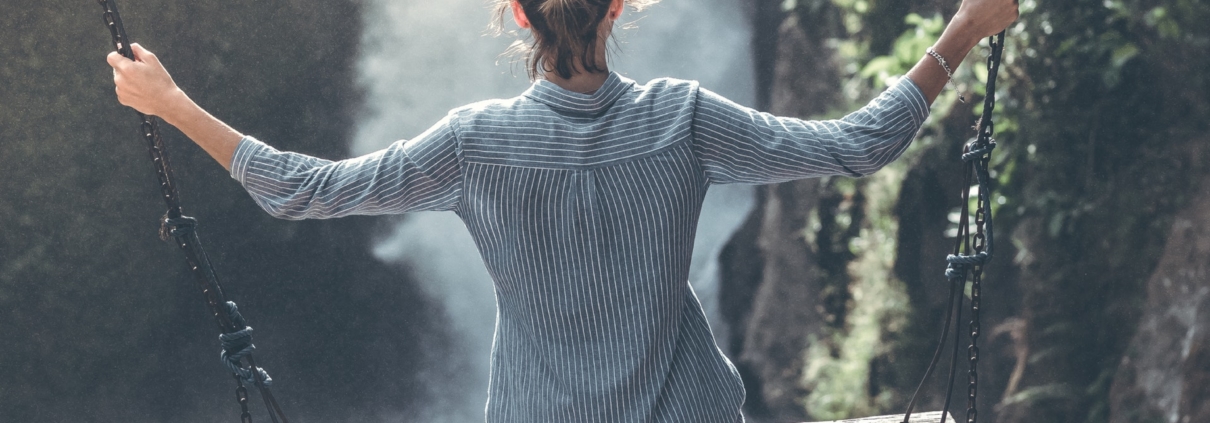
<point>115,59</point>
<point>143,55</point>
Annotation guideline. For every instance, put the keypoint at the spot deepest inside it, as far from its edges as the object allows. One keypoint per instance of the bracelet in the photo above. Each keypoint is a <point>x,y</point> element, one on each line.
<point>949,73</point>
<point>941,60</point>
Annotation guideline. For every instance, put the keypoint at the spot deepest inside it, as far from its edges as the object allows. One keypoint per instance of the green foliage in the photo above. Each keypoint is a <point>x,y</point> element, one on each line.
<point>839,372</point>
<point>1102,106</point>
<point>839,380</point>
<point>1100,158</point>
<point>908,50</point>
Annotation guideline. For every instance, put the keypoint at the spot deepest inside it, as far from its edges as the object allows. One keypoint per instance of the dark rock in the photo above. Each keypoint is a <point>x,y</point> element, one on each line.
<point>1165,374</point>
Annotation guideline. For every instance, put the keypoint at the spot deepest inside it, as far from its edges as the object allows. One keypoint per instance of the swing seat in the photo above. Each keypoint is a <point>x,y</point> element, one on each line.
<point>933,417</point>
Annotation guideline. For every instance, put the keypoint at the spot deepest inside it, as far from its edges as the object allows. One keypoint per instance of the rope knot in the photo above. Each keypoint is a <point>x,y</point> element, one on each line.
<point>960,263</point>
<point>977,153</point>
<point>968,260</point>
<point>176,227</point>
<point>955,271</point>
<point>237,345</point>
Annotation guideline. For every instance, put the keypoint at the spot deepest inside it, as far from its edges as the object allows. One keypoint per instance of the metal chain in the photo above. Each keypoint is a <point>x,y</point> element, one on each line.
<point>968,255</point>
<point>980,239</point>
<point>983,238</point>
<point>150,125</point>
<point>182,229</point>
<point>972,412</point>
<point>174,224</point>
<point>241,395</point>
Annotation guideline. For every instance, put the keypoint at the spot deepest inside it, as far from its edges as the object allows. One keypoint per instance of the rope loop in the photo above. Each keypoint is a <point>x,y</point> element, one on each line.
<point>960,263</point>
<point>955,271</point>
<point>237,345</point>
<point>968,260</point>
<point>978,153</point>
<point>233,314</point>
<point>176,227</point>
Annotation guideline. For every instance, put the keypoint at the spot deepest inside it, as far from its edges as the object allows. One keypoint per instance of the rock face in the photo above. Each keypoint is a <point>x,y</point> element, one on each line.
<point>771,351</point>
<point>1165,374</point>
<point>770,279</point>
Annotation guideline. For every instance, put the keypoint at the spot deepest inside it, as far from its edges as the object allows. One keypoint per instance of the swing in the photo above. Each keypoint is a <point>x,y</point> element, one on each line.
<point>236,335</point>
<point>932,417</point>
<point>967,256</point>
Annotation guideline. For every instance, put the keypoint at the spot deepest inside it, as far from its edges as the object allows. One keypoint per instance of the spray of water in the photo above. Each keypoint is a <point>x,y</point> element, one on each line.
<point>421,59</point>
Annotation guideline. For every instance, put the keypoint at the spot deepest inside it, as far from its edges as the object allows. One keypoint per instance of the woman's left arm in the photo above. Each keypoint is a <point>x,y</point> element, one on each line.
<point>421,174</point>
<point>146,86</point>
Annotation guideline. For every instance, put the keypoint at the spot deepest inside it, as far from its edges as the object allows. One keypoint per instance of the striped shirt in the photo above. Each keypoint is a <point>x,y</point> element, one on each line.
<point>584,209</point>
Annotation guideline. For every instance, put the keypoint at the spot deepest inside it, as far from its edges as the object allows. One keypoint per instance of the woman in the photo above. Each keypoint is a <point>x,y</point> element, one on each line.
<point>582,195</point>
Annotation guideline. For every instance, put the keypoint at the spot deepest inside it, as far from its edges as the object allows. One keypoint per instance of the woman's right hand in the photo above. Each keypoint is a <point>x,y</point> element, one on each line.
<point>984,18</point>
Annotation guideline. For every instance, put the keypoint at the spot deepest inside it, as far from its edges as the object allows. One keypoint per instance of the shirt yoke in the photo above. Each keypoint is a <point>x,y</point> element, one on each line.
<point>550,128</point>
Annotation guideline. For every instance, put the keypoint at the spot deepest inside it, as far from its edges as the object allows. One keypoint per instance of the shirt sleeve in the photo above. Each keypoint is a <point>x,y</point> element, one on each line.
<point>420,174</point>
<point>737,144</point>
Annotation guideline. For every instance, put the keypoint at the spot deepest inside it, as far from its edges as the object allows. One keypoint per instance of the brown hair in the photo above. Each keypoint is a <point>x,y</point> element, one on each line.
<point>563,32</point>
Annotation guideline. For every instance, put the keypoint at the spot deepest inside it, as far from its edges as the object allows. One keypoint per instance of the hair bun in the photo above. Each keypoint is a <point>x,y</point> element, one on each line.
<point>565,33</point>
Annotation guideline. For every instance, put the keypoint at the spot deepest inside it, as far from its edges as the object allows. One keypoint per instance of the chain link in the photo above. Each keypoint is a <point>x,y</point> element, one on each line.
<point>241,395</point>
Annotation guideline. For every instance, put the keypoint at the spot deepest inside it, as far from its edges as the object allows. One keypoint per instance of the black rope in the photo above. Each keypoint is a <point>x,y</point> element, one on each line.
<point>969,257</point>
<point>182,230</point>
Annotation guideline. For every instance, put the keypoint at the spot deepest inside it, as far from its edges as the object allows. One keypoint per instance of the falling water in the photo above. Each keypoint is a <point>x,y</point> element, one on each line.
<point>419,59</point>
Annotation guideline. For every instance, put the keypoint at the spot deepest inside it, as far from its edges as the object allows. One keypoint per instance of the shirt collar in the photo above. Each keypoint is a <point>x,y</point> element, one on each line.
<point>557,98</point>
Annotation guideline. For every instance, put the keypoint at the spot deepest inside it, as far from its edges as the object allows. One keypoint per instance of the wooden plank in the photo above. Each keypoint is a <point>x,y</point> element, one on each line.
<point>931,417</point>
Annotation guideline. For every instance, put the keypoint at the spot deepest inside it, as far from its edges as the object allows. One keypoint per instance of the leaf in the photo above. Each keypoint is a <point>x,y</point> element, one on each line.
<point>1123,54</point>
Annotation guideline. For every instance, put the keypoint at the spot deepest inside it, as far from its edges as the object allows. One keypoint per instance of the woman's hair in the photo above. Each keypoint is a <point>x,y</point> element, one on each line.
<point>564,32</point>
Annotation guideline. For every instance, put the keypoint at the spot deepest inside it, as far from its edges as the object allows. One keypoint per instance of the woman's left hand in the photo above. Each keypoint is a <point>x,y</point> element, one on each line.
<point>143,83</point>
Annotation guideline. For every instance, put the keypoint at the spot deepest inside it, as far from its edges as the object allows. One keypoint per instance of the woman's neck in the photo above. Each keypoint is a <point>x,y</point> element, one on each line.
<point>583,81</point>
<point>580,82</point>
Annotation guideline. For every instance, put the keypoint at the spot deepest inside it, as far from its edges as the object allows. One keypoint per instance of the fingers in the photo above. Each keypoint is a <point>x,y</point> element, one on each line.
<point>121,96</point>
<point>143,83</point>
<point>121,65</point>
<point>989,17</point>
<point>115,59</point>
<point>143,54</point>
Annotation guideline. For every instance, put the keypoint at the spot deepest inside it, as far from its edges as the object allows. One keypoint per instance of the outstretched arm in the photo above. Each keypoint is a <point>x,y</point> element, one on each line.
<point>420,174</point>
<point>146,86</point>
<point>737,144</point>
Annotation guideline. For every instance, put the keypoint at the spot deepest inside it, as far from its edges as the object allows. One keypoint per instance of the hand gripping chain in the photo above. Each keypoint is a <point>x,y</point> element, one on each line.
<point>235,333</point>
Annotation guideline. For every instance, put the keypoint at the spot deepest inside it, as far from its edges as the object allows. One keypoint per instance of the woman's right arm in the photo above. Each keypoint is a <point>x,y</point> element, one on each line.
<point>739,145</point>
<point>975,20</point>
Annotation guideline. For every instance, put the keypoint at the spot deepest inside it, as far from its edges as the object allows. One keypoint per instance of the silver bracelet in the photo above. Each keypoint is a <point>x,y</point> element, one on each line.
<point>949,73</point>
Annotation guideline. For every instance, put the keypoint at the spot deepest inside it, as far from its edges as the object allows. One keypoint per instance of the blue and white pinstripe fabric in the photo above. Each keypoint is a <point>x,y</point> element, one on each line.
<point>584,207</point>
